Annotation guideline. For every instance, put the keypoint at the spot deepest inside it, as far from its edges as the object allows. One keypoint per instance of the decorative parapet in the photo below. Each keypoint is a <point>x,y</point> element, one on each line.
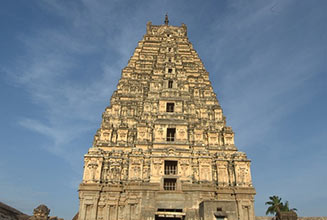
<point>166,30</point>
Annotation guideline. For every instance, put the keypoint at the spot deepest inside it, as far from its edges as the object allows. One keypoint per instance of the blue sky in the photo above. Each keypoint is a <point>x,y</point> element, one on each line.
<point>61,60</point>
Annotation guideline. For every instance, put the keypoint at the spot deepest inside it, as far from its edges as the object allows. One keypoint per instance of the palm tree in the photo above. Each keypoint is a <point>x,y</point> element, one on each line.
<point>275,206</point>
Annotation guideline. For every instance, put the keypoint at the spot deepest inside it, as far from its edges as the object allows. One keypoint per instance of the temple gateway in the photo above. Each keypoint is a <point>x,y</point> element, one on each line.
<point>163,151</point>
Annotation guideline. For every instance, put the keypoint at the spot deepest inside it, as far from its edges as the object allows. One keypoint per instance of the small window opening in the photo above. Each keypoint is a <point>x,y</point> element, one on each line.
<point>170,107</point>
<point>169,59</point>
<point>170,167</point>
<point>219,209</point>
<point>171,134</point>
<point>170,84</point>
<point>170,49</point>
<point>170,184</point>
<point>170,70</point>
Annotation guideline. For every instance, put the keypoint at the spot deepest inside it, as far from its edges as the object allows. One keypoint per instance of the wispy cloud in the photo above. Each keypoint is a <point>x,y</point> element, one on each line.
<point>71,71</point>
<point>51,72</point>
<point>260,67</point>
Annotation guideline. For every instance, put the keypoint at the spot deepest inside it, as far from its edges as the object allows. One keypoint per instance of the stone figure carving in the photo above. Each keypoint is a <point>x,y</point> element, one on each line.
<point>92,166</point>
<point>195,169</point>
<point>105,174</point>
<point>205,173</point>
<point>160,132</point>
<point>124,174</point>
<point>182,133</point>
<point>146,170</point>
<point>231,173</point>
<point>184,166</point>
<point>130,137</point>
<point>115,173</point>
<point>222,174</point>
<point>136,172</point>
<point>114,137</point>
<point>243,175</point>
<point>40,213</point>
<point>157,166</point>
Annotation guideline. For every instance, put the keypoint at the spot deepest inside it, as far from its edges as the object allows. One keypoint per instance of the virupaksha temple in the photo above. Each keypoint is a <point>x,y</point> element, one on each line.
<point>164,151</point>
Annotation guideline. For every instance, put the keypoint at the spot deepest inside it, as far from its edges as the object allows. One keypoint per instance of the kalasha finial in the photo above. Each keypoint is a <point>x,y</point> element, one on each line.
<point>166,19</point>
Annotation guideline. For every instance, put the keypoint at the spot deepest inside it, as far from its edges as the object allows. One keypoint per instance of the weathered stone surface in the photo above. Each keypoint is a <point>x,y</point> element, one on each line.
<point>163,148</point>
<point>9,213</point>
<point>289,215</point>
<point>40,213</point>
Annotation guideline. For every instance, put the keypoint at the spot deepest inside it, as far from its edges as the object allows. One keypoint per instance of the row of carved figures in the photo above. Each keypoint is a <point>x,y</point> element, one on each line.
<point>129,136</point>
<point>224,173</point>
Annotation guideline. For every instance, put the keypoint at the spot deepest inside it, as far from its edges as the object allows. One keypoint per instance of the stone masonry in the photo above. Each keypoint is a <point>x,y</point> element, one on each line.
<point>163,150</point>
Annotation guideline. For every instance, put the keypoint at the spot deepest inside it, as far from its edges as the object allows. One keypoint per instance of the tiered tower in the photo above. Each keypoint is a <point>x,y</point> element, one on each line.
<point>163,150</point>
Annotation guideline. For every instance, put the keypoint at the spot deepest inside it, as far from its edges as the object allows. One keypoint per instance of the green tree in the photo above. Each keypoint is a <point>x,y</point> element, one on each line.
<point>276,206</point>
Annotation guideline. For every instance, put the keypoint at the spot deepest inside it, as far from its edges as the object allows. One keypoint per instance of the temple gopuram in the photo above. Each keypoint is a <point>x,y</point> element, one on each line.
<point>163,150</point>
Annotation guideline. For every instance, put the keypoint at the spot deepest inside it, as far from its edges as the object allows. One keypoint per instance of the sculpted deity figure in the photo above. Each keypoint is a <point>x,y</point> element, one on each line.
<point>244,176</point>
<point>195,169</point>
<point>130,137</point>
<point>40,213</point>
<point>223,174</point>
<point>204,173</point>
<point>231,174</point>
<point>160,131</point>
<point>157,166</point>
<point>124,175</point>
<point>182,133</point>
<point>136,171</point>
<point>105,171</point>
<point>146,170</point>
<point>116,173</point>
<point>92,166</point>
<point>184,166</point>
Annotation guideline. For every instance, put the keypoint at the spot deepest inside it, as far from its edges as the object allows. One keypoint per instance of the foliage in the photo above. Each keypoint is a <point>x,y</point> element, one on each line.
<point>276,206</point>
